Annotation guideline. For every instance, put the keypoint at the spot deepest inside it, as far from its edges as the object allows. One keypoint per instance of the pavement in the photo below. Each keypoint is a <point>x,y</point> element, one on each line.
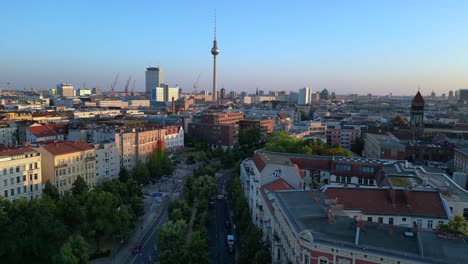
<point>217,230</point>
<point>144,235</point>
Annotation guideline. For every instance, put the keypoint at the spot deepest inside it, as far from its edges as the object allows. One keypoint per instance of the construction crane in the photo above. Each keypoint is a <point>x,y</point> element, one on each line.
<point>126,86</point>
<point>195,85</point>
<point>113,85</point>
<point>133,88</point>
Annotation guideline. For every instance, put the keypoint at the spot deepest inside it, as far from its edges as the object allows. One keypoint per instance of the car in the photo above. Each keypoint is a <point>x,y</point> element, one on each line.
<point>211,204</point>
<point>220,197</point>
<point>136,249</point>
<point>227,224</point>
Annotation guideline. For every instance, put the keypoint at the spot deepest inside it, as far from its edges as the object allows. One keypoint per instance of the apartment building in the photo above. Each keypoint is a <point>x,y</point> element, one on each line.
<point>174,138</point>
<point>20,173</point>
<point>64,161</point>
<point>8,134</point>
<point>138,144</point>
<point>107,161</point>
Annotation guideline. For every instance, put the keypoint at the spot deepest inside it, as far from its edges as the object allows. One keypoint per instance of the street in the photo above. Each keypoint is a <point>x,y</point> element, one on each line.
<point>218,231</point>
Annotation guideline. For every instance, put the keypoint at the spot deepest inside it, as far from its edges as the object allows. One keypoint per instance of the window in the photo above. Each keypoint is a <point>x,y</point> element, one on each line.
<point>35,176</point>
<point>403,219</point>
<point>12,192</point>
<point>5,193</point>
<point>12,180</point>
<point>367,169</point>
<point>419,222</point>
<point>18,190</point>
<point>429,223</point>
<point>369,219</point>
<point>24,178</point>
<point>35,165</point>
<point>390,221</point>
<point>380,220</point>
<point>306,259</point>
<point>11,170</point>
<point>341,167</point>
<point>323,260</point>
<point>465,213</point>
<point>17,179</point>
<point>17,169</point>
<point>5,182</point>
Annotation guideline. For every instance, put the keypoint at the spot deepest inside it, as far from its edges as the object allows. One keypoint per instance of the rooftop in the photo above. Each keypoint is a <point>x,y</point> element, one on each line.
<point>67,147</point>
<point>13,151</point>
<point>307,215</point>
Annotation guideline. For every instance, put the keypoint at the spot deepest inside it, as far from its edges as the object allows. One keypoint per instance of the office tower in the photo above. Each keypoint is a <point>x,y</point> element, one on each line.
<point>215,52</point>
<point>305,96</point>
<point>65,89</point>
<point>222,94</point>
<point>154,78</point>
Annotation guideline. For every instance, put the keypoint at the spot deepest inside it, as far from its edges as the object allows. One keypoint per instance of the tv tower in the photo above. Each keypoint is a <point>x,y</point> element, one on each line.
<point>215,52</point>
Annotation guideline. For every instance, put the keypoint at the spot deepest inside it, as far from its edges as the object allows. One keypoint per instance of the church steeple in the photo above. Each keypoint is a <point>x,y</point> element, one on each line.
<point>417,115</point>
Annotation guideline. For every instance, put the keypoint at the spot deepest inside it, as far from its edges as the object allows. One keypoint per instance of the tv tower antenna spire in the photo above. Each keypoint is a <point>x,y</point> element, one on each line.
<point>215,52</point>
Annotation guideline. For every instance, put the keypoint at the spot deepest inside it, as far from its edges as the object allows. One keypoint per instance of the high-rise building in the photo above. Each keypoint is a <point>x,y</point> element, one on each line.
<point>154,78</point>
<point>65,89</point>
<point>305,96</point>
<point>450,96</point>
<point>417,114</point>
<point>96,91</point>
<point>222,93</point>
<point>215,52</point>
<point>164,93</point>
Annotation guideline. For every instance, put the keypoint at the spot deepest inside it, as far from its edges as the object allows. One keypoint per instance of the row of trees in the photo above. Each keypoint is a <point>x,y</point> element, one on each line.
<point>184,238</point>
<point>157,165</point>
<point>72,227</point>
<point>283,142</point>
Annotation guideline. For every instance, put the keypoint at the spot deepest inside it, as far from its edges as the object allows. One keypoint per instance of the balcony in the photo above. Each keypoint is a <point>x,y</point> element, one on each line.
<point>61,165</point>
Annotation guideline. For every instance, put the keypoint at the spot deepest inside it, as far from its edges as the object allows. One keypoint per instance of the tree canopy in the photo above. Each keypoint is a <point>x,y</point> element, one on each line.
<point>283,142</point>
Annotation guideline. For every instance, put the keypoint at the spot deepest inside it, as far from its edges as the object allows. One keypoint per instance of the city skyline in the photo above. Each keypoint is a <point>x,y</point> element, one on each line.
<point>360,47</point>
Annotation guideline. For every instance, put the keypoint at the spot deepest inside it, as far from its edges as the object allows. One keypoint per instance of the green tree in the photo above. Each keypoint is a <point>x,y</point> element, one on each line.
<point>456,226</point>
<point>204,187</point>
<point>179,209</point>
<point>249,135</point>
<point>79,186</point>
<point>51,191</point>
<point>160,164</point>
<point>171,241</point>
<point>70,211</point>
<point>123,174</point>
<point>358,146</point>
<point>141,173</point>
<point>196,249</point>
<point>101,209</point>
<point>75,251</point>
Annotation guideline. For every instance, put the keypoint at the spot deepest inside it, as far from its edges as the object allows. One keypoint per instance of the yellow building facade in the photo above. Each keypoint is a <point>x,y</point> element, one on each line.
<point>63,162</point>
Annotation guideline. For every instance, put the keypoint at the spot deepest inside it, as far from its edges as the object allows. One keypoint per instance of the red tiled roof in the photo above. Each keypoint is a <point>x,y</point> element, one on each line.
<point>12,151</point>
<point>258,161</point>
<point>57,128</point>
<point>67,147</point>
<point>418,98</point>
<point>283,116</point>
<point>398,120</point>
<point>272,187</point>
<point>379,201</point>
<point>40,131</point>
<point>45,114</point>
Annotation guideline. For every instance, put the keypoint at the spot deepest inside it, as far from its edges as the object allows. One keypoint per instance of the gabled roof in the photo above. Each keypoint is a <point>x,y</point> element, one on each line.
<point>418,98</point>
<point>283,116</point>
<point>385,201</point>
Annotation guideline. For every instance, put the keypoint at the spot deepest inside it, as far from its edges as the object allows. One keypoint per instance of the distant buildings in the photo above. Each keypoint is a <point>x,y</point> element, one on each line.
<point>154,78</point>
<point>217,128</point>
<point>461,160</point>
<point>65,90</point>
<point>305,96</point>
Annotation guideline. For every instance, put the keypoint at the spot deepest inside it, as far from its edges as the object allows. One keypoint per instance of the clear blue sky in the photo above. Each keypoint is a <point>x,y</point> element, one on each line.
<point>345,46</point>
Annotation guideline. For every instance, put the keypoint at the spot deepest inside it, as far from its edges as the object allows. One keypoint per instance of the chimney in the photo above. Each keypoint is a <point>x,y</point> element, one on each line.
<point>392,194</point>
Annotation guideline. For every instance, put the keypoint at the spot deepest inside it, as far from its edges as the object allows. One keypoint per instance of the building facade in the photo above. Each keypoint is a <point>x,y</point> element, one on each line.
<point>107,161</point>
<point>154,77</point>
<point>63,162</point>
<point>20,173</point>
<point>65,90</point>
<point>305,96</point>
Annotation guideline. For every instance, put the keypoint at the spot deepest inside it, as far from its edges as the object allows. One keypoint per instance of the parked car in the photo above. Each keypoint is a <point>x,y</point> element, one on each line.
<point>211,204</point>
<point>227,224</point>
<point>220,197</point>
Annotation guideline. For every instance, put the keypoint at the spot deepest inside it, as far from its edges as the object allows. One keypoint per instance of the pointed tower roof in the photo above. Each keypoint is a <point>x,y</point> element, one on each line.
<point>418,98</point>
